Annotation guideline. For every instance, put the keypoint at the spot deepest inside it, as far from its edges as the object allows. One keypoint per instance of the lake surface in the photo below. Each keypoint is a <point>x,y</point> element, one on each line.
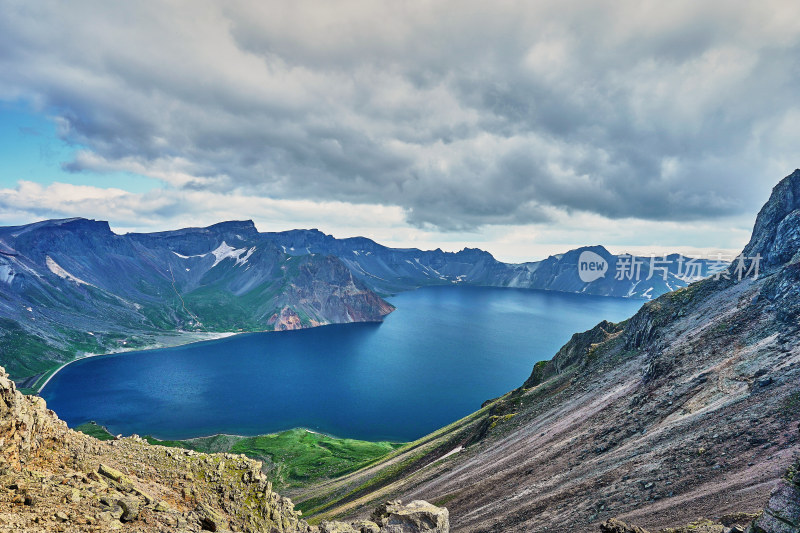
<point>435,359</point>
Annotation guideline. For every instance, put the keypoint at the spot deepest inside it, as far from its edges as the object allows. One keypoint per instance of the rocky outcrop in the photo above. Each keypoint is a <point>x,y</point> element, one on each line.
<point>782,514</point>
<point>55,479</point>
<point>776,233</point>
<point>614,525</point>
<point>576,351</point>
<point>286,320</point>
<point>393,517</point>
<point>419,515</point>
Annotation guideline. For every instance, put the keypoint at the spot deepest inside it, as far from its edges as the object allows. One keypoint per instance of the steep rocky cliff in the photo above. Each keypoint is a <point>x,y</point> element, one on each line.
<point>687,411</point>
<point>776,234</point>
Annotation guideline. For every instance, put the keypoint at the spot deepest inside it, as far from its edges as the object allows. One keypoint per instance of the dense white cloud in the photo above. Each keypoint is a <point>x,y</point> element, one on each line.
<point>458,114</point>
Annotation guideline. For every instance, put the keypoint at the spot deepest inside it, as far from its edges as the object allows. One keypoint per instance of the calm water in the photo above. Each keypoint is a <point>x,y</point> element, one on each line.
<point>435,359</point>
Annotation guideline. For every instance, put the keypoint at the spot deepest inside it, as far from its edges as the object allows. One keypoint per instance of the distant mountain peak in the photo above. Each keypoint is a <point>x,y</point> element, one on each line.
<point>64,224</point>
<point>776,233</point>
<point>246,226</point>
<point>597,248</point>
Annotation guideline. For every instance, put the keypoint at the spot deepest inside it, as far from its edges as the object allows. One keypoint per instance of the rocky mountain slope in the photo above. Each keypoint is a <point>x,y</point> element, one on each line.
<point>55,479</point>
<point>73,286</point>
<point>689,410</point>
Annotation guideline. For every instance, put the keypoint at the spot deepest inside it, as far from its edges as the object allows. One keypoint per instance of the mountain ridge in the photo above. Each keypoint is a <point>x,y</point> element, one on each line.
<point>73,286</point>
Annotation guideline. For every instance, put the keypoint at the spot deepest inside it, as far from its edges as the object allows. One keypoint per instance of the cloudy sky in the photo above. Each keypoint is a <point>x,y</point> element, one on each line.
<point>524,128</point>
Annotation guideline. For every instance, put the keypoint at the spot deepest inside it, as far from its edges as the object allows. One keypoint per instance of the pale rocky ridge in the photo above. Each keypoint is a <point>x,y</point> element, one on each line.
<point>55,479</point>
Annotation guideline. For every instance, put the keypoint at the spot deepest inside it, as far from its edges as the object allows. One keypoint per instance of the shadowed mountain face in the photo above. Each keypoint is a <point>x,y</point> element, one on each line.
<point>72,286</point>
<point>689,409</point>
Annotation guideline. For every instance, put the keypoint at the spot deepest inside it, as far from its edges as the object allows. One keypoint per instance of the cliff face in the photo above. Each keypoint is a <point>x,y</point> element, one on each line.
<point>73,286</point>
<point>688,410</point>
<point>776,234</point>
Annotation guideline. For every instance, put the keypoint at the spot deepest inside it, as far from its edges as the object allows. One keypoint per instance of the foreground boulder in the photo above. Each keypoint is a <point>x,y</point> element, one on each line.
<point>614,525</point>
<point>418,516</point>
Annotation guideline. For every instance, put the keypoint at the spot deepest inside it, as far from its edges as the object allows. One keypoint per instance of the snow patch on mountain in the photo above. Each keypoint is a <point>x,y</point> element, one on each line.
<point>189,256</point>
<point>6,273</point>
<point>61,273</point>
<point>225,251</point>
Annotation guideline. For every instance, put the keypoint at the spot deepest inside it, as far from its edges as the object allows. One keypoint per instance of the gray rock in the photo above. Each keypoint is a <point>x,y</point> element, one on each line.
<point>336,527</point>
<point>416,517</point>
<point>366,526</point>
<point>210,519</point>
<point>161,506</point>
<point>782,514</point>
<point>618,526</point>
<point>130,509</point>
<point>776,235</point>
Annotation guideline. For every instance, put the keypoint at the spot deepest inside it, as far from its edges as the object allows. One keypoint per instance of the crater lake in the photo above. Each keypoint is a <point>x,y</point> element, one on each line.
<point>435,359</point>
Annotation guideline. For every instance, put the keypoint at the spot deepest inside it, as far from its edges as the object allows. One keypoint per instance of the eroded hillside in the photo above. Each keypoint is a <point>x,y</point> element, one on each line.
<point>689,409</point>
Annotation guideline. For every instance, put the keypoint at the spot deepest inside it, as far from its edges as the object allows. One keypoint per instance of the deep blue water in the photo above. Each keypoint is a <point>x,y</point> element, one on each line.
<point>435,359</point>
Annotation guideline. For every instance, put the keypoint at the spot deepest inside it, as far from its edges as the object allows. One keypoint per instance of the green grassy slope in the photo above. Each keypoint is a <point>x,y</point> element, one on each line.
<point>291,458</point>
<point>94,430</point>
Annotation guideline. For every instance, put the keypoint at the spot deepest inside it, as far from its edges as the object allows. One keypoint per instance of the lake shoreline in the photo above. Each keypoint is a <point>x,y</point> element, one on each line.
<point>438,357</point>
<point>210,337</point>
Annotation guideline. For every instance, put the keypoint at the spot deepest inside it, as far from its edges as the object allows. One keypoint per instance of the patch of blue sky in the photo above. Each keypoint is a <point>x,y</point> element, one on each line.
<point>30,150</point>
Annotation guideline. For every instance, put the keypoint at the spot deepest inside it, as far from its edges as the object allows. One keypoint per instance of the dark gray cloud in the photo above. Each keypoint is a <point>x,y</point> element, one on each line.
<point>463,113</point>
